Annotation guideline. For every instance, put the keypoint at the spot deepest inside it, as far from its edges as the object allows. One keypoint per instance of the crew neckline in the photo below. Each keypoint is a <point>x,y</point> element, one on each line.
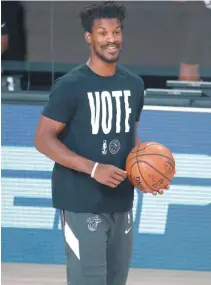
<point>98,75</point>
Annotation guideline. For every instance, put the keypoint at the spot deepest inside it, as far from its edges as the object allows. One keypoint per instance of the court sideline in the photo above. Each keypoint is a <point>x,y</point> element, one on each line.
<point>45,274</point>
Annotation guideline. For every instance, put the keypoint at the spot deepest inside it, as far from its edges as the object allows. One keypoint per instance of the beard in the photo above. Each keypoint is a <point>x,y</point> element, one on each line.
<point>105,58</point>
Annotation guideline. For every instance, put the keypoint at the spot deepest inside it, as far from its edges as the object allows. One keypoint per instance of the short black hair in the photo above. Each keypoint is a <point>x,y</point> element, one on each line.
<point>102,10</point>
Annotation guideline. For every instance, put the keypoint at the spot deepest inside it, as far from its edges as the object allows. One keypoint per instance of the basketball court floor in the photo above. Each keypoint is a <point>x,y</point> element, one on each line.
<point>42,274</point>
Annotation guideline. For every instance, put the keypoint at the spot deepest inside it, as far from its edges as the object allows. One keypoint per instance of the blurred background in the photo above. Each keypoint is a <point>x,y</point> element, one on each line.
<point>168,44</point>
<point>163,40</point>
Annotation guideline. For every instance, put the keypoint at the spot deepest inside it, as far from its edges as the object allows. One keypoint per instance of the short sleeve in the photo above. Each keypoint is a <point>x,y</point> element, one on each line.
<point>140,98</point>
<point>62,105</point>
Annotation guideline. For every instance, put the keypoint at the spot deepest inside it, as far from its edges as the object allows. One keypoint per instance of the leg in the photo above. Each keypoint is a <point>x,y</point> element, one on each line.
<point>85,248</point>
<point>119,249</point>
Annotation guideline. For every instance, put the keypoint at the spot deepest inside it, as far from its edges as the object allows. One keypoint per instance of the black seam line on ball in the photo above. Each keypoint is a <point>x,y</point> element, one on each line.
<point>152,168</point>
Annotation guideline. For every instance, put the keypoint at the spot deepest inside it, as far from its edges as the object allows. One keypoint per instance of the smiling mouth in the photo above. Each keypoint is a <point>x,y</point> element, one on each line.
<point>112,48</point>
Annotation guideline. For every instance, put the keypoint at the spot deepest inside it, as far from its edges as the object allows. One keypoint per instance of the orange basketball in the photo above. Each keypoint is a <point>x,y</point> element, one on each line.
<point>150,166</point>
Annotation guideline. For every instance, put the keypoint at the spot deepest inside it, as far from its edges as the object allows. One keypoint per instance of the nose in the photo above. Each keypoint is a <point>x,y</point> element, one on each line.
<point>111,38</point>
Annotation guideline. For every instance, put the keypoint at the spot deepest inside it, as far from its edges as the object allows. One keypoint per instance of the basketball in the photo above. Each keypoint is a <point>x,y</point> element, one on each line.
<point>151,166</point>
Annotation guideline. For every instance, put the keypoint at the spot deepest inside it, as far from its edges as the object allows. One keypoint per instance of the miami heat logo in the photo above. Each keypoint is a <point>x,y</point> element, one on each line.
<point>93,222</point>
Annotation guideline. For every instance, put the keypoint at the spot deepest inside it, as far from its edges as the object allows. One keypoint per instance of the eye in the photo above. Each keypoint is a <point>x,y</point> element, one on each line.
<point>103,34</point>
<point>118,32</point>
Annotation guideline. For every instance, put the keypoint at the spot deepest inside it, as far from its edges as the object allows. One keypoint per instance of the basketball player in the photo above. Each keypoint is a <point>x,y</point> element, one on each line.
<point>88,128</point>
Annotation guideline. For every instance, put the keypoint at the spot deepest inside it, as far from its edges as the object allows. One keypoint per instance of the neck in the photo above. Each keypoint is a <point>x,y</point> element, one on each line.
<point>101,68</point>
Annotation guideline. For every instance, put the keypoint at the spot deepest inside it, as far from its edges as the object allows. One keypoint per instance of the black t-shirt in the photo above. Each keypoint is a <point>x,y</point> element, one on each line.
<point>100,115</point>
<point>4,31</point>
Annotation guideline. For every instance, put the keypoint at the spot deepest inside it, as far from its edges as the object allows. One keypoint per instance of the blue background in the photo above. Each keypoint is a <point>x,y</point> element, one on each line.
<point>186,243</point>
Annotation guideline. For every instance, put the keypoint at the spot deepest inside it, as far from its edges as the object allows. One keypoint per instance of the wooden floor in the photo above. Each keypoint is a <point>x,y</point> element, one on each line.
<point>42,274</point>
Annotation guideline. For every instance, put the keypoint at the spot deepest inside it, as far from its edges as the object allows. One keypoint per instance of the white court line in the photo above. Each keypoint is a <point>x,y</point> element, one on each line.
<point>177,109</point>
<point>28,158</point>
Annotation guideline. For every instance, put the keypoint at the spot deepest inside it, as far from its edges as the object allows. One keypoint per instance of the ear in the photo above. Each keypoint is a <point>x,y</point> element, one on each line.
<point>88,37</point>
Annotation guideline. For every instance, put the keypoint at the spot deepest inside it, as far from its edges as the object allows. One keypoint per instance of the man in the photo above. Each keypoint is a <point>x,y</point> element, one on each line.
<point>88,128</point>
<point>196,40</point>
<point>189,67</point>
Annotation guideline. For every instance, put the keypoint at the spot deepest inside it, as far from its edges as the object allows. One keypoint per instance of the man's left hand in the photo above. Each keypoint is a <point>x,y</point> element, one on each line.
<point>154,193</point>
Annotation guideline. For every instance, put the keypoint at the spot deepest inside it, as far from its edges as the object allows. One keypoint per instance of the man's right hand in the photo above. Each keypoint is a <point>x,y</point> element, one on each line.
<point>109,175</point>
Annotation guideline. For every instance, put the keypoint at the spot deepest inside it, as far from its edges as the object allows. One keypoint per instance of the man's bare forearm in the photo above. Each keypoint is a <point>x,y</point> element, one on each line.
<point>53,148</point>
<point>138,141</point>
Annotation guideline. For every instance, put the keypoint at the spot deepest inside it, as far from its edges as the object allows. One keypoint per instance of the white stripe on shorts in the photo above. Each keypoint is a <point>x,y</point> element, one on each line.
<point>71,240</point>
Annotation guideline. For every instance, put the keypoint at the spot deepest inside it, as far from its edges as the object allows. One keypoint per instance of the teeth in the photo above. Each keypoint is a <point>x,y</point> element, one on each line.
<point>112,48</point>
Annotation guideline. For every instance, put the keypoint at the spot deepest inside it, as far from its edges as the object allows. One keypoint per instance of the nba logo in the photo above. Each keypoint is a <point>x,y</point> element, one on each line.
<point>104,147</point>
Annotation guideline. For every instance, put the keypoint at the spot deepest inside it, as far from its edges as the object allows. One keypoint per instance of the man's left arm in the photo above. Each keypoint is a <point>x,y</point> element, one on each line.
<point>138,141</point>
<point>139,107</point>
<point>137,138</point>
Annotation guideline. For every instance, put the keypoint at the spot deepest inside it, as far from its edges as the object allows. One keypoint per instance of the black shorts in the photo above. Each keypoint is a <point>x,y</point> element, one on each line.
<point>97,247</point>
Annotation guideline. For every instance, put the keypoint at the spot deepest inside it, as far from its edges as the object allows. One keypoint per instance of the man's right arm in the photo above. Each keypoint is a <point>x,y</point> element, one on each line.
<point>47,142</point>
